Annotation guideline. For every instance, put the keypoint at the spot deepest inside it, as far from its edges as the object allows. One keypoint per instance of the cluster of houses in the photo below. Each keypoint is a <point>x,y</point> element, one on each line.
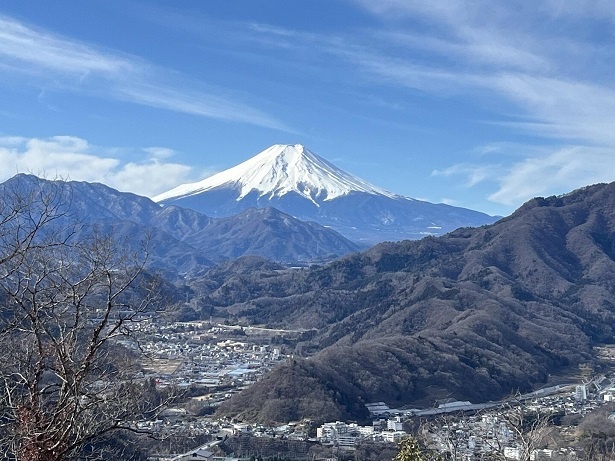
<point>346,435</point>
<point>197,354</point>
<point>474,430</point>
<point>492,430</point>
<point>223,359</point>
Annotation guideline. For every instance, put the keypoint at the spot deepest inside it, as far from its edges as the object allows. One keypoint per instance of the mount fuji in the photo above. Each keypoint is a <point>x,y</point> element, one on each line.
<point>298,182</point>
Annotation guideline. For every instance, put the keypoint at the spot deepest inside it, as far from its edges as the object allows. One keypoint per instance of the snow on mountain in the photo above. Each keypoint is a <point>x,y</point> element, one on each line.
<point>279,170</point>
<point>299,183</point>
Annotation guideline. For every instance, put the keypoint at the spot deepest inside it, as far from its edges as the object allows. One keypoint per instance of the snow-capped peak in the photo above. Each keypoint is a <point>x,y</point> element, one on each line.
<point>278,170</point>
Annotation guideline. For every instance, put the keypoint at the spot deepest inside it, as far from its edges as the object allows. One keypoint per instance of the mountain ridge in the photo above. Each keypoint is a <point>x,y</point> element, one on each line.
<point>278,170</point>
<point>474,315</point>
<point>298,182</point>
<point>184,240</point>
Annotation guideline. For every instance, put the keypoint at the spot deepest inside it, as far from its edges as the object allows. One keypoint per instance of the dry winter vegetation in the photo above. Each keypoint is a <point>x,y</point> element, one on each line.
<point>67,386</point>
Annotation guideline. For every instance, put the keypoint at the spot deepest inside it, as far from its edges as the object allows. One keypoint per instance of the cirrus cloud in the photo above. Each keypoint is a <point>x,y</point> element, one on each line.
<point>562,170</point>
<point>542,70</point>
<point>69,65</point>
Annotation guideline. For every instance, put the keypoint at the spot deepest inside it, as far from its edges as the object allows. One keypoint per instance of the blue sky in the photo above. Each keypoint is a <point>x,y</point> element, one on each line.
<point>482,104</point>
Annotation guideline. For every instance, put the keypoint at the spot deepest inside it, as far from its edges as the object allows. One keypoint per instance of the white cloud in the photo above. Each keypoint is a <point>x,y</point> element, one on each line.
<point>195,103</point>
<point>44,51</point>
<point>160,153</point>
<point>549,105</point>
<point>565,169</point>
<point>479,48</point>
<point>149,178</point>
<point>72,158</point>
<point>462,11</point>
<point>450,201</point>
<point>493,55</point>
<point>474,174</point>
<point>563,108</point>
<point>523,172</point>
<point>542,67</point>
<point>510,150</point>
<point>7,141</point>
<point>73,66</point>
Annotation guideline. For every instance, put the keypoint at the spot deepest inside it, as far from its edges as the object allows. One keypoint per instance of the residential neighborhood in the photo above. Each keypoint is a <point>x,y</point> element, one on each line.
<point>214,361</point>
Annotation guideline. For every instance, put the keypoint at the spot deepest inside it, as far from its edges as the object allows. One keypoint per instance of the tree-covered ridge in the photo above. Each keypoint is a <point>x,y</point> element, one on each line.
<point>475,314</point>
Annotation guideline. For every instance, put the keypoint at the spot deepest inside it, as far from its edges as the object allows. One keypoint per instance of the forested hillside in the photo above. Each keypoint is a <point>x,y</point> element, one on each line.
<point>475,314</point>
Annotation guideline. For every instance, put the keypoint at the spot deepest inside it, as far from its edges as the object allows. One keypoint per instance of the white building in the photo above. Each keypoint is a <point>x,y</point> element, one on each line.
<point>395,424</point>
<point>342,434</point>
<point>512,452</point>
<point>580,393</point>
<point>330,432</point>
<point>393,436</point>
<point>366,431</point>
<point>541,455</point>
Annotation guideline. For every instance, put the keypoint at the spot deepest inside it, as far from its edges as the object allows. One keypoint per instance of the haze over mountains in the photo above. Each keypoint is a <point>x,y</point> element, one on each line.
<point>183,241</point>
<point>293,179</point>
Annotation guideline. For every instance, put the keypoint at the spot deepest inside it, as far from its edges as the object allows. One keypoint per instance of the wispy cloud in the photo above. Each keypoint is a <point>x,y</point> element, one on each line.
<point>69,65</point>
<point>475,47</point>
<point>473,173</point>
<point>548,104</point>
<point>73,158</point>
<point>196,103</point>
<point>562,170</point>
<point>563,108</point>
<point>535,68</point>
<point>39,51</point>
<point>542,65</point>
<point>519,63</point>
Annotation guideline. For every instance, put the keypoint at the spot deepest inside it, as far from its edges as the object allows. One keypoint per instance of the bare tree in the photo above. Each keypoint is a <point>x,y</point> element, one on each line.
<point>529,426</point>
<point>28,218</point>
<point>515,423</point>
<point>596,435</point>
<point>67,299</point>
<point>444,429</point>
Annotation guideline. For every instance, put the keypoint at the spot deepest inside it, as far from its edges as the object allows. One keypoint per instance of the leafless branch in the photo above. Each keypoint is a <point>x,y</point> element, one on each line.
<point>65,300</point>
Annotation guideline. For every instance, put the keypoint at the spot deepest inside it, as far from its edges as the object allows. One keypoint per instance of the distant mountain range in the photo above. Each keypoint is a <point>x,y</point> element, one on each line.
<point>183,241</point>
<point>473,315</point>
<point>298,182</point>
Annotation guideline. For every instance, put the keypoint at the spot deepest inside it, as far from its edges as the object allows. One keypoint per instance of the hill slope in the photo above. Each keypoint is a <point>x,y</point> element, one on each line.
<point>270,233</point>
<point>475,314</point>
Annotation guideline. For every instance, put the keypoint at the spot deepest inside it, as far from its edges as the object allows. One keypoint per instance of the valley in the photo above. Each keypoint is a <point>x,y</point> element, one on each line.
<point>213,362</point>
<point>325,230</point>
<point>205,346</point>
